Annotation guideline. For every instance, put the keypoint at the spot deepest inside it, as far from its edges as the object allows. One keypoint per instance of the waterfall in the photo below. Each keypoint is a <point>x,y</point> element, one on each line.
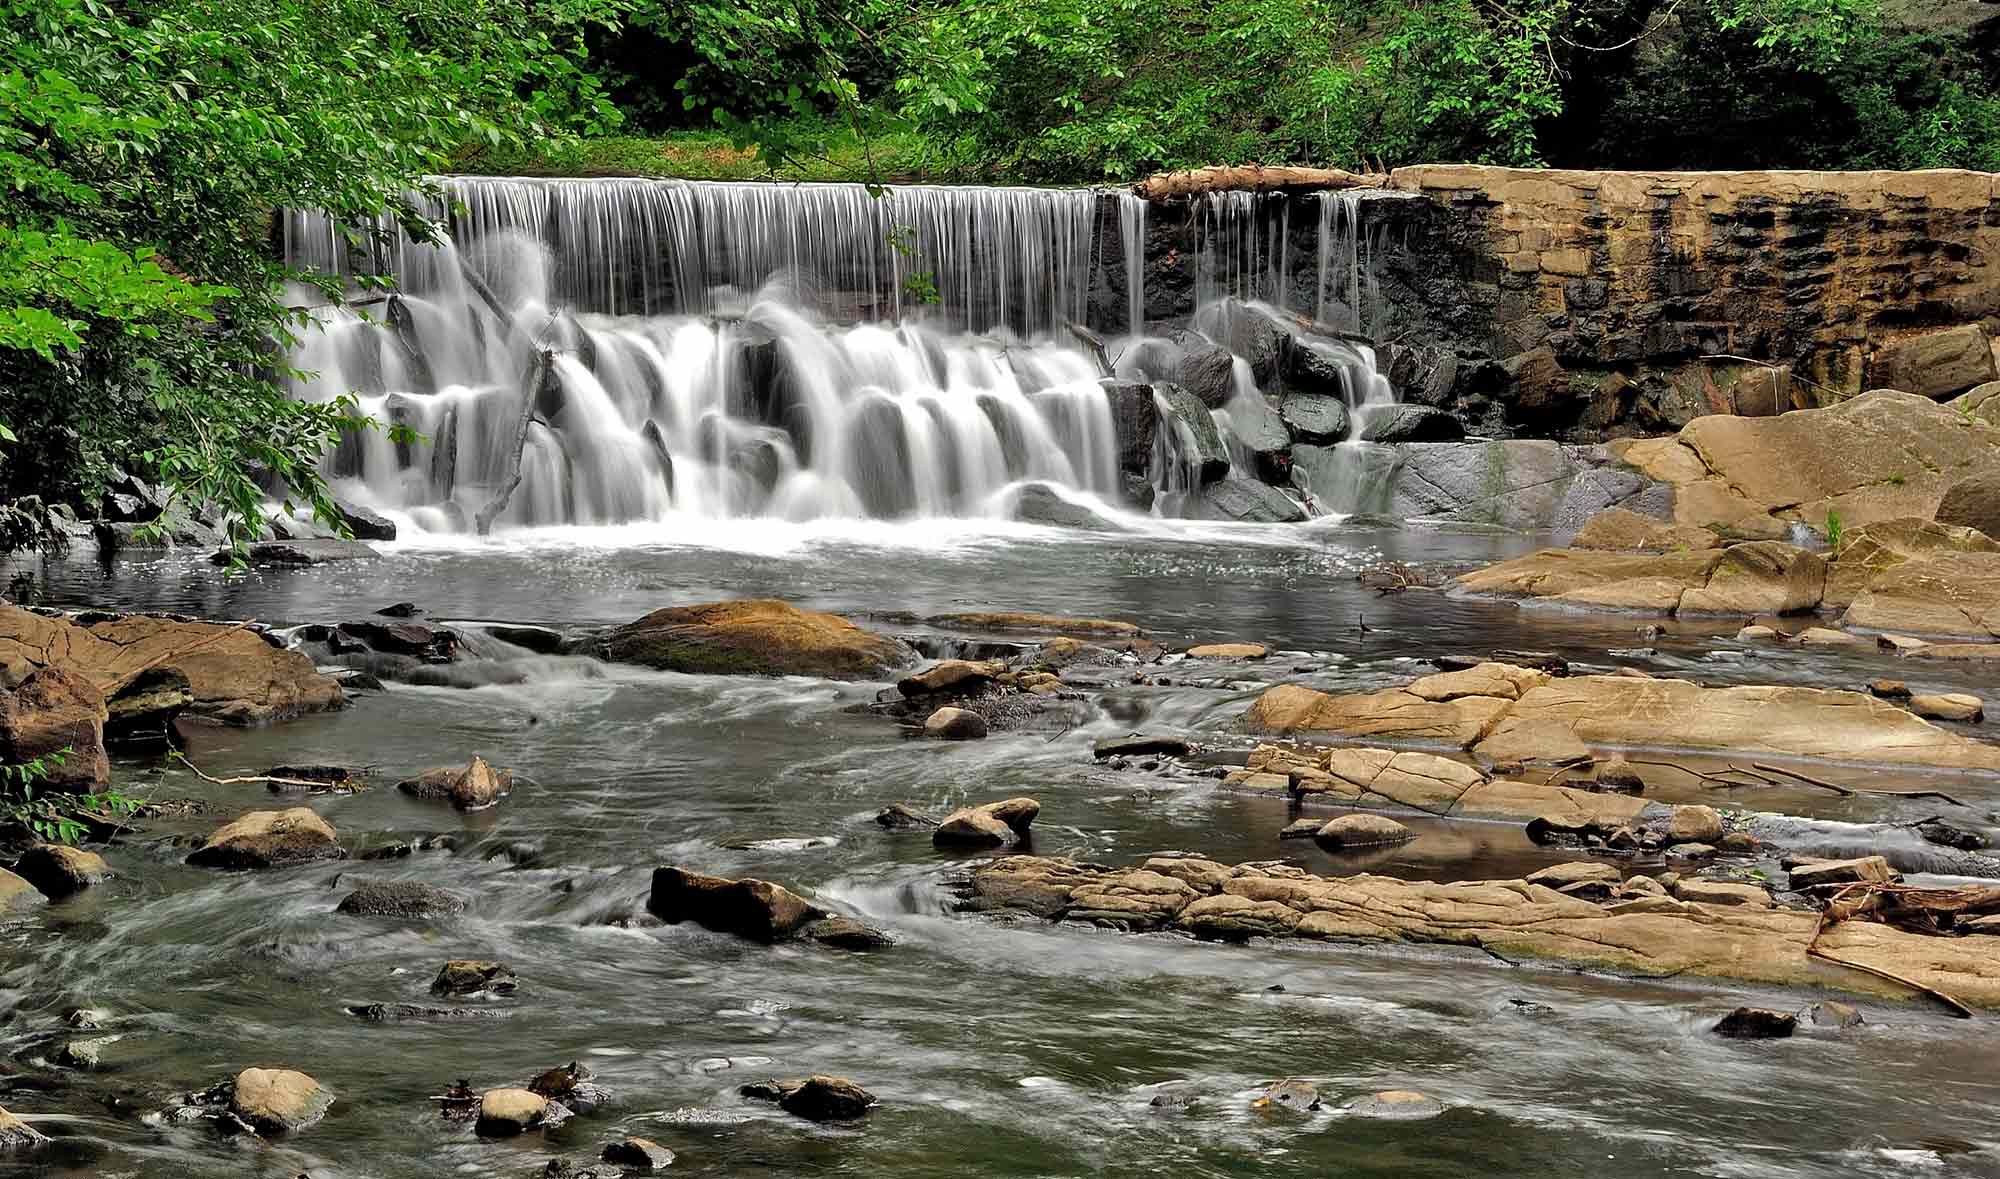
<point>736,349</point>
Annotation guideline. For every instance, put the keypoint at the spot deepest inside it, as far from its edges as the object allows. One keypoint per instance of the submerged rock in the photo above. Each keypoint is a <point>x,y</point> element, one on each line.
<point>1290,1095</point>
<point>755,909</point>
<point>466,976</point>
<point>1834,1014</point>
<point>638,1155</point>
<point>901,816</point>
<point>16,1134</point>
<point>16,893</point>
<point>818,1098</point>
<point>1352,832</point>
<point>994,824</point>
<point>400,898</point>
<point>845,933</point>
<point>1756,1023</point>
<point>1229,651</point>
<point>754,637</point>
<point>269,839</point>
<point>305,551</point>
<point>1405,1105</point>
<point>278,1101</point>
<point>1141,746</point>
<point>471,787</point>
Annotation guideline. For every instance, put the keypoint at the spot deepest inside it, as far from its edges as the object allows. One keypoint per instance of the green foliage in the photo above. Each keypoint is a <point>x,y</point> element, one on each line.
<point>53,815</point>
<point>1836,532</point>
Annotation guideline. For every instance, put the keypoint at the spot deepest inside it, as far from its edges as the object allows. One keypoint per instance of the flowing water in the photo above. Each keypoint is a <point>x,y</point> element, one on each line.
<point>998,1048</point>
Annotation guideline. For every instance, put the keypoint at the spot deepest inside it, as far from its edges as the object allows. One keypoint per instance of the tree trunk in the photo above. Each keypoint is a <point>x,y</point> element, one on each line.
<point>540,373</point>
<point>1252,178</point>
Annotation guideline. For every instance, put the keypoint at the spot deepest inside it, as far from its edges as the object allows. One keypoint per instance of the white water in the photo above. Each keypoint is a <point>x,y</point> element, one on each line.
<point>735,351</point>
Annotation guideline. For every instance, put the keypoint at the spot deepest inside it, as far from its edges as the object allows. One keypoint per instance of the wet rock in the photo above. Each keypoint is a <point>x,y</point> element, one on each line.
<point>1195,440</point>
<point>1949,706</point>
<point>1530,1008</point>
<point>1039,503</point>
<point>1756,1023</point>
<point>1301,829</point>
<point>16,893</point>
<point>754,637</point>
<point>1693,851</point>
<point>1831,1013</point>
<point>1135,423</point>
<point>473,786</point>
<point>1738,843</point>
<point>269,839</point>
<point>406,1012</point>
<point>1141,746</point>
<point>1950,835</point>
<point>1352,832</point>
<point>1889,690</point>
<point>306,551</point>
<point>845,933</point>
<point>1694,824</point>
<point>85,1054</point>
<point>955,724</point>
<point>1247,331</point>
<point>17,1135</point>
<point>1615,773</point>
<point>140,716</point>
<point>427,644</point>
<point>1871,869</point>
<point>1722,892</point>
<point>60,871</point>
<point>508,1113</point>
<point>1410,423</point>
<point>55,715</point>
<point>755,909</point>
<point>1250,502</point>
<point>1209,372</point>
<point>899,816</point>
<point>950,677</point>
<point>1312,417</point>
<point>638,1155</point>
<point>1290,1095</point>
<point>467,976</point>
<point>408,899</point>
<point>818,1098</point>
<point>539,639</point>
<point>1025,622</point>
<point>278,1101</point>
<point>1755,633</point>
<point>400,610</point>
<point>1406,1105</point>
<point>1229,651</point>
<point>364,523</point>
<point>994,824</point>
<point>574,1086</point>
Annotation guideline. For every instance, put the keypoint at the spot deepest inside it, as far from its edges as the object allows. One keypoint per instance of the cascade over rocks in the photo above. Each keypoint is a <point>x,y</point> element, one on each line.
<point>1197,441</point>
<point>754,637</point>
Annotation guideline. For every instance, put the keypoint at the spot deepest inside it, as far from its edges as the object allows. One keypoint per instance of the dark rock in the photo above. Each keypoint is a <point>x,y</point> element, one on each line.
<point>1247,331</point>
<point>1140,746</point>
<point>817,1098</point>
<point>1756,1023</point>
<point>406,1012</point>
<point>539,639</point>
<point>1409,423</point>
<point>572,1085</point>
<point>1948,835</point>
<point>141,716</point>
<point>313,551</point>
<point>1250,502</point>
<point>639,1155</point>
<point>400,610</point>
<point>364,523</point>
<point>1135,423</point>
<point>899,816</point>
<point>415,639</point>
<point>467,976</point>
<point>58,871</point>
<point>1315,418</point>
<point>845,933</point>
<point>400,898</point>
<point>1038,503</point>
<point>755,909</point>
<point>1192,436</point>
<point>1209,372</point>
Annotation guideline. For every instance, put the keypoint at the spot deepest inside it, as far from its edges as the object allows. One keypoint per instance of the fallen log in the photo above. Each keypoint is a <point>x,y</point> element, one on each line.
<point>541,373</point>
<point>1252,178</point>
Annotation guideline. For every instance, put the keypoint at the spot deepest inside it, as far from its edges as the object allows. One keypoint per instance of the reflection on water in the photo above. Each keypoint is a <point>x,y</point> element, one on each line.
<point>998,1048</point>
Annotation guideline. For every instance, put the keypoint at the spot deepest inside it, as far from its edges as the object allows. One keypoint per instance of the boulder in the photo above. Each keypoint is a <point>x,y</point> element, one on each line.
<point>1936,364</point>
<point>1208,371</point>
<point>1246,330</point>
<point>1290,1095</point>
<point>1721,892</point>
<point>1256,426</point>
<point>950,677</point>
<point>1313,417</point>
<point>16,893</point>
<point>16,1134</point>
<point>640,1156</point>
<point>60,871</point>
<point>1397,1105</point>
<point>1135,423</point>
<point>1952,594</point>
<point>754,909</point>
<point>1889,690</point>
<point>994,824</point>
<point>1973,502</point>
<point>1350,832</point>
<point>233,674</point>
<point>508,1113</point>
<point>1652,583</point>
<point>1039,503</point>
<point>1624,530</point>
<point>1228,651</point>
<point>1517,484</point>
<point>1756,1023</point>
<point>818,1098</point>
<point>754,637</point>
<point>365,523</point>
<point>304,551</point>
<point>1949,706</point>
<point>407,899</point>
<point>57,716</point>
<point>1249,502</point>
<point>1193,438</point>
<point>269,839</point>
<point>473,786</point>
<point>273,1101</point>
<point>468,976</point>
<point>1616,773</point>
<point>1760,577</point>
<point>1582,878</point>
<point>1876,552</point>
<point>955,724</point>
<point>1694,824</point>
<point>1409,423</point>
<point>845,933</point>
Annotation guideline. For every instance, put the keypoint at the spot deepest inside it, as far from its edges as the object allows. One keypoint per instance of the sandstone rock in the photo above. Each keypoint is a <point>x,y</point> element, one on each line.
<point>995,824</point>
<point>1618,774</point>
<point>233,675</point>
<point>400,898</point>
<point>1583,577</point>
<point>60,871</point>
<point>1871,552</point>
<point>818,1098</point>
<point>1693,851</point>
<point>278,1101</point>
<point>1301,829</point>
<point>1738,843</point>
<point>1820,636</point>
<point>16,1134</point>
<point>1949,706</point>
<point>1936,364</point>
<point>638,1156</point>
<point>1722,892</point>
<point>1948,594</point>
<point>1694,824</point>
<point>950,677</point>
<point>901,816</point>
<point>1583,878</point>
<point>473,786</point>
<point>468,976</point>
<point>1755,633</point>
<point>16,893</point>
<point>955,724</point>
<point>1620,529</point>
<point>1761,577</point>
<point>507,1113</point>
<point>1755,1023</point>
<point>1401,1105</point>
<point>1314,417</point>
<point>755,909</point>
<point>58,716</point>
<point>1865,868</point>
<point>1228,651</point>
<point>269,839</point>
<point>1889,690</point>
<point>1012,622</point>
<point>754,637</point>
<point>1973,502</point>
<point>1350,832</point>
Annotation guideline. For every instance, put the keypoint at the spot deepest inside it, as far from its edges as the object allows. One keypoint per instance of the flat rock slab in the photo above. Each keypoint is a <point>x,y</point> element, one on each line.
<point>1649,936</point>
<point>1566,718</point>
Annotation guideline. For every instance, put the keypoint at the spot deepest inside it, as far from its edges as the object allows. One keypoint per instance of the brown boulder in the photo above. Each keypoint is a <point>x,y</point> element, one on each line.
<point>1760,577</point>
<point>1624,530</point>
<point>1584,577</point>
<point>955,724</point>
<point>1722,892</point>
<point>1949,706</point>
<point>1870,552</point>
<point>1694,824</point>
<point>1937,364</point>
<point>1228,651</point>
<point>755,637</point>
<point>995,824</point>
<point>471,787</point>
<point>1349,832</point>
<point>278,1101</point>
<point>1956,594</point>
<point>954,677</point>
<point>508,1113</point>
<point>755,909</point>
<point>269,839</point>
<point>16,893</point>
<point>1973,502</point>
<point>818,1098</point>
<point>1873,869</point>
<point>1756,1023</point>
<point>56,715</point>
<point>233,675</point>
<point>60,871</point>
<point>638,1156</point>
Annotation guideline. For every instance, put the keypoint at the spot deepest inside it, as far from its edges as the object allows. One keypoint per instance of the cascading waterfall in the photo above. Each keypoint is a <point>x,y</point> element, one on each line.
<point>634,348</point>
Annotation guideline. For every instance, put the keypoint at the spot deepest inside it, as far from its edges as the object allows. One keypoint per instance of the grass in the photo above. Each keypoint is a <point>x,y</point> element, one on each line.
<point>887,157</point>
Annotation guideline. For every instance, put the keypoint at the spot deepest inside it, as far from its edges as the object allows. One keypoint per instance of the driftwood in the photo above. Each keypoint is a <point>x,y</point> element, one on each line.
<point>308,784</point>
<point>1252,178</point>
<point>1851,791</point>
<point>1094,342</point>
<point>1934,911</point>
<point>539,373</point>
